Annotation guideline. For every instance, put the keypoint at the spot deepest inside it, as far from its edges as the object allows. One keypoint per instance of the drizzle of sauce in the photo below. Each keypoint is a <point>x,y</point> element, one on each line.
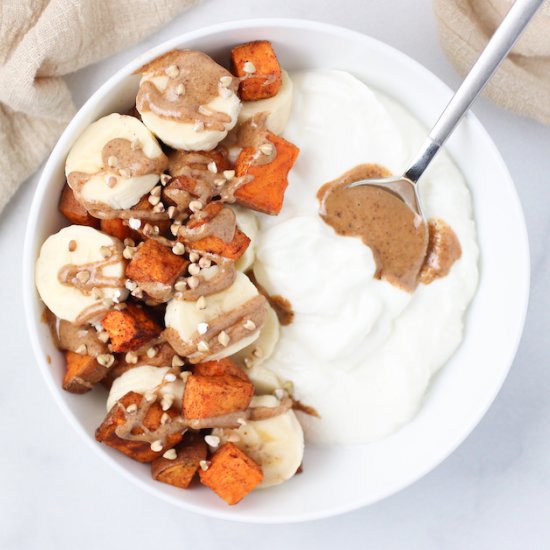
<point>223,278</point>
<point>397,237</point>
<point>192,82</point>
<point>231,322</point>
<point>280,304</point>
<point>223,226</point>
<point>443,251</point>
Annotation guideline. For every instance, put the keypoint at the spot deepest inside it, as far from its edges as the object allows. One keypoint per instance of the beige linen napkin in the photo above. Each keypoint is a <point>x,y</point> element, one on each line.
<point>522,83</point>
<point>42,40</point>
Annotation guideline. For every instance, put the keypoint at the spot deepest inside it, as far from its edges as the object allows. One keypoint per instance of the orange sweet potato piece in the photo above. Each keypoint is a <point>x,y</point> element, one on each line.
<point>207,396</point>
<point>130,328</point>
<point>181,470</point>
<point>117,228</point>
<point>83,372</point>
<point>155,263</point>
<point>265,81</point>
<point>73,210</point>
<point>138,450</point>
<point>232,250</point>
<point>232,474</point>
<point>219,368</point>
<point>266,191</point>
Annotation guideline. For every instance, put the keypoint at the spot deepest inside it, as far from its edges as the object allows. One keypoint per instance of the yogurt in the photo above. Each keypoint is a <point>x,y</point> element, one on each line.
<point>360,350</point>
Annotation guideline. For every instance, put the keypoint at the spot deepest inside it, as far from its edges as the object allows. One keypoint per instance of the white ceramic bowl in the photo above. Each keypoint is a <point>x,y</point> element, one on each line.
<point>335,479</point>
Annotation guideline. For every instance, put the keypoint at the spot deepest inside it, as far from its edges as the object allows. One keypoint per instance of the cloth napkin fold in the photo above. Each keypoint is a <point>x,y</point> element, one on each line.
<point>42,40</point>
<point>522,83</point>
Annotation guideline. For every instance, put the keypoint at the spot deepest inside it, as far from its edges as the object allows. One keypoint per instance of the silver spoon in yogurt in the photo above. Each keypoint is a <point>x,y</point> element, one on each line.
<point>405,187</point>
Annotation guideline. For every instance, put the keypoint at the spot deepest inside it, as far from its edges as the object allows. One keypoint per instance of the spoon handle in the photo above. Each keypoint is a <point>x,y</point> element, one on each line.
<point>496,50</point>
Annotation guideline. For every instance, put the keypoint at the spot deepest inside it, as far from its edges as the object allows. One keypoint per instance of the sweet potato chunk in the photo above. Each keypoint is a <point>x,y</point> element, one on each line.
<point>73,210</point>
<point>181,470</point>
<point>155,263</point>
<point>83,372</point>
<point>130,328</point>
<point>213,244</point>
<point>207,396</point>
<point>138,450</point>
<point>263,74</point>
<point>232,474</point>
<point>117,228</point>
<point>266,191</point>
<point>219,368</point>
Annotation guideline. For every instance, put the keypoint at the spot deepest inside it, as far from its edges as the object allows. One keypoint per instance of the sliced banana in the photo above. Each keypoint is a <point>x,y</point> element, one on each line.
<point>78,245</point>
<point>260,350</point>
<point>248,223</point>
<point>111,182</point>
<point>276,444</point>
<point>277,107</point>
<point>187,319</point>
<point>190,91</point>
<point>264,379</point>
<point>146,379</point>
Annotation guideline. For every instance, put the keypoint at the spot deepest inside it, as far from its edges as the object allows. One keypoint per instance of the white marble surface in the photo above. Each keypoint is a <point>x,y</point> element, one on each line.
<point>493,492</point>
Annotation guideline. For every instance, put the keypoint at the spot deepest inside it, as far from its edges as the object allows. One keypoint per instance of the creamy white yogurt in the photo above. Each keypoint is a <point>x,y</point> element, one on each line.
<point>360,350</point>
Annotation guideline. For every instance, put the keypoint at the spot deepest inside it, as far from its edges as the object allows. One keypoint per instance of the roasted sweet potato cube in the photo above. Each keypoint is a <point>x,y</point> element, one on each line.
<point>233,249</point>
<point>257,62</point>
<point>117,228</point>
<point>232,474</point>
<point>155,263</point>
<point>180,162</point>
<point>180,470</point>
<point>136,449</point>
<point>266,191</point>
<point>73,210</point>
<point>219,368</point>
<point>130,328</point>
<point>207,396</point>
<point>144,210</point>
<point>83,372</point>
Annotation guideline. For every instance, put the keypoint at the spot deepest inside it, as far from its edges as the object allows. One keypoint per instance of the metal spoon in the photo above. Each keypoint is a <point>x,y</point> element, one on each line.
<point>405,187</point>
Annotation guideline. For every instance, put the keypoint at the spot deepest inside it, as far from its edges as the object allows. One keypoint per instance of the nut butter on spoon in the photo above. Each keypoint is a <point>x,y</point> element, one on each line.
<point>384,210</point>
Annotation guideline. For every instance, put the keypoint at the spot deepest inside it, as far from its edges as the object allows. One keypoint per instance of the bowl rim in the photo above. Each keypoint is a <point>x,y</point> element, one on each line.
<point>31,246</point>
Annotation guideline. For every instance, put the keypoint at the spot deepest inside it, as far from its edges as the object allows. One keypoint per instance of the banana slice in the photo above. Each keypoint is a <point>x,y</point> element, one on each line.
<point>60,257</point>
<point>188,100</point>
<point>114,162</point>
<point>248,223</point>
<point>276,444</point>
<point>145,379</point>
<point>277,107</point>
<point>189,321</point>
<point>264,379</point>
<point>260,350</point>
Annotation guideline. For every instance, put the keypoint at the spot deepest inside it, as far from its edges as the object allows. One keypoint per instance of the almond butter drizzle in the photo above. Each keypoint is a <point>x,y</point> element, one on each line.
<point>222,226</point>
<point>231,322</point>
<point>193,83</point>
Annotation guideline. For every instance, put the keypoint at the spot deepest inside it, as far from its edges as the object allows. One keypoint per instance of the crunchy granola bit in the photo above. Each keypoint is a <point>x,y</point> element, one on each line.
<point>233,438</point>
<point>153,199</point>
<point>150,397</point>
<point>131,408</point>
<point>257,352</point>
<point>156,446</point>
<point>135,144</point>
<point>112,161</point>
<point>249,67</point>
<point>131,358</point>
<point>195,206</point>
<point>205,111</point>
<point>165,418</point>
<point>156,191</point>
<point>174,228</point>
<point>130,285</point>
<point>193,282</point>
<point>151,352</point>
<point>279,393</point>
<point>97,293</point>
<point>83,276</point>
<point>72,245</point>
<point>194,269</point>
<point>223,338</point>
<point>129,252</point>
<point>180,285</point>
<point>129,242</point>
<point>158,208</point>
<point>202,328</point>
<point>177,361</point>
<point>125,173</point>
<point>203,346</point>
<point>229,174</point>
<point>111,181</point>
<point>106,359</point>
<point>204,465</point>
<point>249,324</point>
<point>172,71</point>
<point>226,80</point>
<point>134,223</point>
<point>165,179</point>
<point>103,336</point>
<point>180,90</point>
<point>212,440</point>
<point>201,303</point>
<point>204,263</point>
<point>224,92</point>
<point>266,149</point>
<point>178,249</point>
<point>82,349</point>
<point>170,377</point>
<point>170,454</point>
<point>198,126</point>
<point>194,257</point>
<point>171,212</point>
<point>167,400</point>
<point>212,167</point>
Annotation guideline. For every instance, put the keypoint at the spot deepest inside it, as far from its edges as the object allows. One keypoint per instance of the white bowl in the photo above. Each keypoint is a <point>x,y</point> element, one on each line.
<point>335,479</point>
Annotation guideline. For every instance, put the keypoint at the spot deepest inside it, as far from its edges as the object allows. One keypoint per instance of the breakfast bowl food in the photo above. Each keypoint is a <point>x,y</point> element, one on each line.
<point>354,452</point>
